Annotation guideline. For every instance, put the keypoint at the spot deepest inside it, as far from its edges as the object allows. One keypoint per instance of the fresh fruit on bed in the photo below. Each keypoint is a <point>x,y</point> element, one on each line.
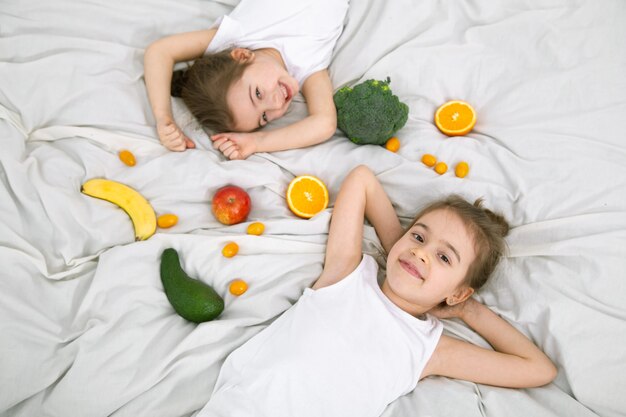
<point>455,118</point>
<point>256,228</point>
<point>429,160</point>
<point>306,196</point>
<point>461,169</point>
<point>393,144</point>
<point>231,205</point>
<point>134,204</point>
<point>230,249</point>
<point>369,113</point>
<point>127,157</point>
<point>165,221</point>
<point>192,299</point>
<point>441,168</point>
<point>238,287</point>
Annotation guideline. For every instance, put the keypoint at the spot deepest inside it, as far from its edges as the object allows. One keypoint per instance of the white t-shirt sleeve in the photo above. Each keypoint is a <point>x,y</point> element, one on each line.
<point>228,32</point>
<point>303,31</point>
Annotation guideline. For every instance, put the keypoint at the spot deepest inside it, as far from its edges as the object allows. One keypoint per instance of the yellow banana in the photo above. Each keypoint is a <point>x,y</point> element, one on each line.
<point>134,204</point>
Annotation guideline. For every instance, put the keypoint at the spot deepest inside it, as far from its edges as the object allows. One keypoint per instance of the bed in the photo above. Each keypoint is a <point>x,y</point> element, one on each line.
<point>85,327</point>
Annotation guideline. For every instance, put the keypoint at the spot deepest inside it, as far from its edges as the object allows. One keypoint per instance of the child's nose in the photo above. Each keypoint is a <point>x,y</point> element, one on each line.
<point>420,254</point>
<point>277,98</point>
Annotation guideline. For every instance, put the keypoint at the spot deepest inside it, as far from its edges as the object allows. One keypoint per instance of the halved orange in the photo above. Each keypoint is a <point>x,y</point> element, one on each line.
<point>455,118</point>
<point>307,195</point>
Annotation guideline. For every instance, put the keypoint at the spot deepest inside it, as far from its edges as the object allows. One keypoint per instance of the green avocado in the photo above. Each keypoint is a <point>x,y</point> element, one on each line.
<point>192,299</point>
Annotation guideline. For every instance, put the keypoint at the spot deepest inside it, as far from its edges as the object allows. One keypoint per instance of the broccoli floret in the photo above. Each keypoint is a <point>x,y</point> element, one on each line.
<point>369,113</point>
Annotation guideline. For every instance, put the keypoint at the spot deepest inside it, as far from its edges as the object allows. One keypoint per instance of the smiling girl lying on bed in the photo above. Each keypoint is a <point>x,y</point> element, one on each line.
<point>248,68</point>
<point>349,347</point>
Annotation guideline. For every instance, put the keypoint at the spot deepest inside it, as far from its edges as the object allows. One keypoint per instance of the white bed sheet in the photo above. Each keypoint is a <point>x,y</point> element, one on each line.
<point>85,328</point>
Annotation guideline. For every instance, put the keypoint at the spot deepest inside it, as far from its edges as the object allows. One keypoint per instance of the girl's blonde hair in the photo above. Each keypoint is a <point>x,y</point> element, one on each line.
<point>203,87</point>
<point>487,228</point>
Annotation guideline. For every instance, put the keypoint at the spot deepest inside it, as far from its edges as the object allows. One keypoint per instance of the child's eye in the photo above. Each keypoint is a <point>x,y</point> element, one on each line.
<point>418,237</point>
<point>258,93</point>
<point>264,116</point>
<point>444,258</point>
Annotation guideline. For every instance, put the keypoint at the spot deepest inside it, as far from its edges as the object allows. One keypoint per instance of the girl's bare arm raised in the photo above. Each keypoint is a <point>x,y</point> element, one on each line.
<point>361,196</point>
<point>159,60</point>
<point>515,361</point>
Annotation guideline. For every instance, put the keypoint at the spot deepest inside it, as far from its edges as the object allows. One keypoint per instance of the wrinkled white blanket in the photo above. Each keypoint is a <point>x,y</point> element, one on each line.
<point>85,328</point>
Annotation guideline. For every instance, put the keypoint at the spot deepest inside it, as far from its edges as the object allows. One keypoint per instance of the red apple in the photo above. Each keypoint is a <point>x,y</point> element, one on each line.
<point>231,205</point>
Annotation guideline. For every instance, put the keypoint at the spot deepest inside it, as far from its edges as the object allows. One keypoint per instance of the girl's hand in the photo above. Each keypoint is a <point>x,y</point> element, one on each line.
<point>235,145</point>
<point>460,310</point>
<point>172,137</point>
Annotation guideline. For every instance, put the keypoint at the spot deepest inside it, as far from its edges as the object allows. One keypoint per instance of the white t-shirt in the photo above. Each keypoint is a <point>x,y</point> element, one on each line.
<point>303,31</point>
<point>342,350</point>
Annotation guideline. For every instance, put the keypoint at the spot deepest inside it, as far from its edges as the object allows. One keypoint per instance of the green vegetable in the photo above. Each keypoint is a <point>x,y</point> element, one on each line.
<point>192,299</point>
<point>369,113</point>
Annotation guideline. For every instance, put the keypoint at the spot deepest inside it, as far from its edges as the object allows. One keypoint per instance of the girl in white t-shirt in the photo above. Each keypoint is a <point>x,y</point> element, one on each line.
<point>350,346</point>
<point>248,68</point>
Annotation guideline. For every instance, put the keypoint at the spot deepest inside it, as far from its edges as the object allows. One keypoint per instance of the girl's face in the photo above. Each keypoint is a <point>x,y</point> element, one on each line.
<point>429,262</point>
<point>263,93</point>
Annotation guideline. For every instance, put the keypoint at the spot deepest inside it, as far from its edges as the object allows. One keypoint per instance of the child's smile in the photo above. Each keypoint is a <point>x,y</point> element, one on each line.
<point>411,269</point>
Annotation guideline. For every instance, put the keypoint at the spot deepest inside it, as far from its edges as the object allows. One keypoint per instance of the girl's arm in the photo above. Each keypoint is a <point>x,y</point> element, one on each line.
<point>361,195</point>
<point>159,60</point>
<point>317,127</point>
<point>515,363</point>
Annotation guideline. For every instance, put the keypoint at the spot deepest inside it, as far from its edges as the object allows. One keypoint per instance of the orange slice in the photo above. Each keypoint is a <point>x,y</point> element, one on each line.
<point>306,196</point>
<point>455,118</point>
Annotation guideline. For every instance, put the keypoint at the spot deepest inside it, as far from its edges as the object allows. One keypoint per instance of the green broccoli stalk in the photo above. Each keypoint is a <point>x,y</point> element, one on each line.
<point>369,113</point>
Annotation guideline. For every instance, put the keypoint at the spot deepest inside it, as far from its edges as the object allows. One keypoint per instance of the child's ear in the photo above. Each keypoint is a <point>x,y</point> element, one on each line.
<point>242,55</point>
<point>459,296</point>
